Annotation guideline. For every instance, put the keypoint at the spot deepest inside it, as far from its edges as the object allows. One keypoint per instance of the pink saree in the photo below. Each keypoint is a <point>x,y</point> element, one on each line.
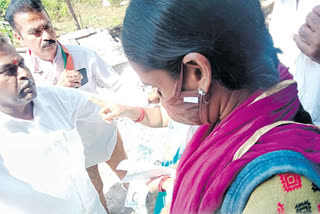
<point>206,169</point>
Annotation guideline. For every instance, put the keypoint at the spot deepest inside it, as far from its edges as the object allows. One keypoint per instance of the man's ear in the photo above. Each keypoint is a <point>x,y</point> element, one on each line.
<point>197,73</point>
<point>17,36</point>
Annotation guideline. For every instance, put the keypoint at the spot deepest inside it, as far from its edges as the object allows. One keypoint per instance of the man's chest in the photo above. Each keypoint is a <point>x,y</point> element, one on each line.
<point>51,74</point>
<point>46,158</point>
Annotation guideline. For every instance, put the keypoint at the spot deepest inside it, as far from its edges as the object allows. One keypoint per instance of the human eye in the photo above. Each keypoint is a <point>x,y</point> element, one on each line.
<point>159,92</point>
<point>46,27</point>
<point>36,33</point>
<point>9,71</point>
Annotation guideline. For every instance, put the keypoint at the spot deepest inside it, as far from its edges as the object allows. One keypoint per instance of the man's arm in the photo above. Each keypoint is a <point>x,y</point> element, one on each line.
<point>105,75</point>
<point>98,137</point>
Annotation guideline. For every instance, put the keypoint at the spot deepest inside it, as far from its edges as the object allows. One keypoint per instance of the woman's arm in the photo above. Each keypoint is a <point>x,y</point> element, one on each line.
<point>152,117</point>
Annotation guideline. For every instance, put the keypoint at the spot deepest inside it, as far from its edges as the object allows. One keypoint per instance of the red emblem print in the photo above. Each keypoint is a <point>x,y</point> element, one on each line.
<point>290,181</point>
<point>280,208</point>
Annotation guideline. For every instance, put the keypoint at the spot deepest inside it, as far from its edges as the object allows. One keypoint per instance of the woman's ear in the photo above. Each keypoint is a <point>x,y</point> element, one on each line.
<point>197,73</point>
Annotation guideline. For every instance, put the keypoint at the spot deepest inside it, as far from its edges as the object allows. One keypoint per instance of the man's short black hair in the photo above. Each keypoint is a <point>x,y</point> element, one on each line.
<point>17,6</point>
<point>3,40</point>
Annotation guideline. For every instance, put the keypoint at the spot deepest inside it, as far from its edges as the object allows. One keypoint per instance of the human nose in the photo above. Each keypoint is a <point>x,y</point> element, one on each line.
<point>46,35</point>
<point>23,74</point>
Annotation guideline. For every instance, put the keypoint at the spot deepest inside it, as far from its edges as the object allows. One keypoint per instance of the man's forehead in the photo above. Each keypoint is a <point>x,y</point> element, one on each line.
<point>29,20</point>
<point>8,54</point>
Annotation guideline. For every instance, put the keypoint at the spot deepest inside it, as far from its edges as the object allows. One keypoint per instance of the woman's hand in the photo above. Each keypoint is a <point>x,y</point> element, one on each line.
<point>154,182</point>
<point>110,111</point>
<point>113,111</point>
<point>166,209</point>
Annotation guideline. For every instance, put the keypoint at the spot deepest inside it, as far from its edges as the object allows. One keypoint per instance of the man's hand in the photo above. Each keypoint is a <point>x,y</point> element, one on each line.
<point>70,78</point>
<point>308,39</point>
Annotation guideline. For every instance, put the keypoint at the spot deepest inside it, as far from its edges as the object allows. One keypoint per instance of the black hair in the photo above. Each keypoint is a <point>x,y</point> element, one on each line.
<point>231,34</point>
<point>302,116</point>
<point>3,40</point>
<point>17,6</point>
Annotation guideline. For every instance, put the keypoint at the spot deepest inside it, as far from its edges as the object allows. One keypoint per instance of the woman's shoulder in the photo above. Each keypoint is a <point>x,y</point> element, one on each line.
<point>262,170</point>
<point>284,193</point>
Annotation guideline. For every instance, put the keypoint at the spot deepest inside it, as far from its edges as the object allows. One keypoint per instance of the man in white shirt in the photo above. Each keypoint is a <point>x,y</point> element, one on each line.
<point>42,157</point>
<point>51,62</point>
<point>295,28</point>
<point>55,64</point>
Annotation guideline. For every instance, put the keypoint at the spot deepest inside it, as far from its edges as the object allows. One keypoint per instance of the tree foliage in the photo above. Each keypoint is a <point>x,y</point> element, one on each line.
<point>4,28</point>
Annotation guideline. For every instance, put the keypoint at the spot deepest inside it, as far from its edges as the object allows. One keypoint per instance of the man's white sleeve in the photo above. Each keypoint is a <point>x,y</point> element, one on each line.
<point>99,138</point>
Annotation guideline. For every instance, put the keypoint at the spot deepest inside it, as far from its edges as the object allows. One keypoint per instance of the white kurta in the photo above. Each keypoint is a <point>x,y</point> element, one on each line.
<point>286,20</point>
<point>100,75</point>
<point>42,162</point>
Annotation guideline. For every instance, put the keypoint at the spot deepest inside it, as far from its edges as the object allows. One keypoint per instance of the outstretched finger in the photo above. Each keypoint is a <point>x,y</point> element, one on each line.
<point>105,110</point>
<point>107,119</point>
<point>98,102</point>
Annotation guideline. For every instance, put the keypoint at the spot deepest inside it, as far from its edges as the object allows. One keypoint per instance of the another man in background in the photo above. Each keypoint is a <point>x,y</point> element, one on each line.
<point>42,162</point>
<point>50,61</point>
<point>295,28</point>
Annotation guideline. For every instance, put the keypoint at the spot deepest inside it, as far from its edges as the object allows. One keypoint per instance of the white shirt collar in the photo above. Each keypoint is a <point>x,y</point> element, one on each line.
<point>49,71</point>
<point>57,57</point>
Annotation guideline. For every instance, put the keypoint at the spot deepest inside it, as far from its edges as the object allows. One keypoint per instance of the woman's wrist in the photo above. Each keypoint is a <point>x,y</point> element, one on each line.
<point>167,184</point>
<point>139,115</point>
<point>133,113</point>
<point>164,183</point>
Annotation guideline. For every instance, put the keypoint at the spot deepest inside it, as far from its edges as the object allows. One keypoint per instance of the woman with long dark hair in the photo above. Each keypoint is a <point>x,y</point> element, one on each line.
<point>214,64</point>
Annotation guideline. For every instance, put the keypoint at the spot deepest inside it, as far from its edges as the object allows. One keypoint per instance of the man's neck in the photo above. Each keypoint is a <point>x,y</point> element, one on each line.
<point>24,112</point>
<point>50,58</point>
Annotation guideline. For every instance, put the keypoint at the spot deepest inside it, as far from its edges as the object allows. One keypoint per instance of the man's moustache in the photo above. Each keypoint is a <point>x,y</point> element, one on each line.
<point>47,43</point>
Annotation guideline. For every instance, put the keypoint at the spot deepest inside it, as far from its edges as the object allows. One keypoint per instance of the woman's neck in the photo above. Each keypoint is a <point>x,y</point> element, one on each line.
<point>224,101</point>
<point>232,101</point>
